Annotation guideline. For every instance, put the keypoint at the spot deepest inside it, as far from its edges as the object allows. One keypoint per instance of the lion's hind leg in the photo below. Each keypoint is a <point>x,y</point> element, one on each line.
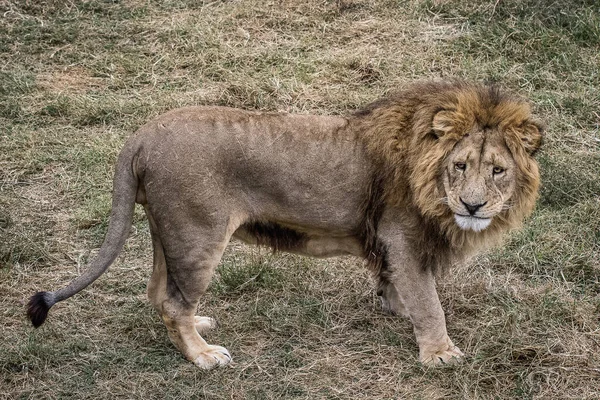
<point>178,282</point>
<point>183,333</point>
<point>187,279</point>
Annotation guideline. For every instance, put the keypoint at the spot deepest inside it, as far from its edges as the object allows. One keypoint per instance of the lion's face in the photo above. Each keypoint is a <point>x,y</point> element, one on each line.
<point>479,179</point>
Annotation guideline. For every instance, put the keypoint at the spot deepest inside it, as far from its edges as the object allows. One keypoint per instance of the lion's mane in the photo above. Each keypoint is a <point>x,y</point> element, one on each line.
<point>408,135</point>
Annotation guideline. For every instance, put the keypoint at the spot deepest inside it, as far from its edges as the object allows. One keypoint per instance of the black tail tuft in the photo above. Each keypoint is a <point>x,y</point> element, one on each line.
<point>38,307</point>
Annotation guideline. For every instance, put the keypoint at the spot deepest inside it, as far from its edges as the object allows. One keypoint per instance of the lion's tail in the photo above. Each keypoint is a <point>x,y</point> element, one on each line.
<point>124,193</point>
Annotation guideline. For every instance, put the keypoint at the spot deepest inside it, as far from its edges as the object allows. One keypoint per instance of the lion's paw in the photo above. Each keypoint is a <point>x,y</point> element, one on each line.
<point>205,324</point>
<point>214,356</point>
<point>451,355</point>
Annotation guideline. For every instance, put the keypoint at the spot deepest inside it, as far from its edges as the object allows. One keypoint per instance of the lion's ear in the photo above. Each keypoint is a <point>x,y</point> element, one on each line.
<point>531,136</point>
<point>443,123</point>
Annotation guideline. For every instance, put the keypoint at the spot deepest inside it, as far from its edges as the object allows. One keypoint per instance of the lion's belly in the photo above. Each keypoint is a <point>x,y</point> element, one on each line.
<point>280,238</point>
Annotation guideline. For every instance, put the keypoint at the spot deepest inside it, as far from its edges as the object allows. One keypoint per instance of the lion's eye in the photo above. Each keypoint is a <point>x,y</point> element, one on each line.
<point>498,170</point>
<point>460,166</point>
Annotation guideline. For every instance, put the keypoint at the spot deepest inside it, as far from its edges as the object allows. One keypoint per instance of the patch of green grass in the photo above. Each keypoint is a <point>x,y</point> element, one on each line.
<point>15,82</point>
<point>60,107</point>
<point>569,180</point>
<point>236,276</point>
<point>530,37</point>
<point>293,314</point>
<point>568,253</point>
<point>14,85</point>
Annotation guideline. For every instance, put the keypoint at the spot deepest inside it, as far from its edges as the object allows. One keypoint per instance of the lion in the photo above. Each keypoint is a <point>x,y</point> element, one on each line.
<point>412,183</point>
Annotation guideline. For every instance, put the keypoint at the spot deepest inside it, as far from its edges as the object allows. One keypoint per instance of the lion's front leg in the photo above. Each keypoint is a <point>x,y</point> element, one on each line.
<point>411,292</point>
<point>407,288</point>
<point>425,312</point>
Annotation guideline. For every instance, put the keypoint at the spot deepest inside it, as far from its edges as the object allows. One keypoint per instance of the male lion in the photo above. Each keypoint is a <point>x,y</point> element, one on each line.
<point>411,183</point>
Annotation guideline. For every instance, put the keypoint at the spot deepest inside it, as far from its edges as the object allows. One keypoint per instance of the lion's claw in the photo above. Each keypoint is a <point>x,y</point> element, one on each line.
<point>451,355</point>
<point>214,356</point>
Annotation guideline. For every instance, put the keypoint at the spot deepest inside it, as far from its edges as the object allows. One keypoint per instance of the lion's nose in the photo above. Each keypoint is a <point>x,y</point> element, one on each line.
<point>472,208</point>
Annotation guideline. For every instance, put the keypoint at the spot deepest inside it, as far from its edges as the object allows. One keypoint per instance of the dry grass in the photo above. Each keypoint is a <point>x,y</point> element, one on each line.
<point>77,77</point>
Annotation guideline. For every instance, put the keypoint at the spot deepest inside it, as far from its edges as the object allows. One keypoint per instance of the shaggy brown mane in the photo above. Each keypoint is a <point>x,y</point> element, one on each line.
<point>408,135</point>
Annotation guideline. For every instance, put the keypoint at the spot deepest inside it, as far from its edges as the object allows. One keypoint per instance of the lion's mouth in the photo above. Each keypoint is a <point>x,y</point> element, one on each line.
<point>471,222</point>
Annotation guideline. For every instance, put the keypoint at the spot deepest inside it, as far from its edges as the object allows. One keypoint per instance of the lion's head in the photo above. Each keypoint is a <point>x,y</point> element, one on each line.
<point>466,153</point>
<point>479,179</point>
<point>489,170</point>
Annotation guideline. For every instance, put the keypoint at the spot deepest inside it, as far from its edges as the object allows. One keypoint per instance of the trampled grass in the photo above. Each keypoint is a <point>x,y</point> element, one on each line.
<point>78,77</point>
